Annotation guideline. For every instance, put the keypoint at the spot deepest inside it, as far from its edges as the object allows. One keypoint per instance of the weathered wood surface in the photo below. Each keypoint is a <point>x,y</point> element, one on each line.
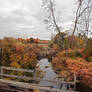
<point>28,85</point>
<point>31,86</point>
<point>17,69</point>
<point>35,79</point>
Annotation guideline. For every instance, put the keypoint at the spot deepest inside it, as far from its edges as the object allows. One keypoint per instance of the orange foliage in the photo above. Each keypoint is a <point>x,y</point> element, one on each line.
<point>79,66</point>
<point>82,68</point>
<point>36,40</point>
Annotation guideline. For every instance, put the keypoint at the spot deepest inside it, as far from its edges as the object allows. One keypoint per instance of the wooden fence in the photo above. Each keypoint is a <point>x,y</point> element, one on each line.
<point>31,78</point>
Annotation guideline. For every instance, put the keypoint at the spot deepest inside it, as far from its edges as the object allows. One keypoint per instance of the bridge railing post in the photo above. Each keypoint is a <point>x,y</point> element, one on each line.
<point>75,78</point>
<point>1,72</point>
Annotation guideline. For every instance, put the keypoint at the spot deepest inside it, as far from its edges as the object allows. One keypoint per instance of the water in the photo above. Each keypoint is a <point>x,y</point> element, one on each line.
<point>49,73</point>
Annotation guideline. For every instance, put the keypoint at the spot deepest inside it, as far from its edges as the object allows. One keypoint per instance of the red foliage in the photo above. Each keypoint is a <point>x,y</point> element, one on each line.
<point>43,41</point>
<point>76,65</point>
<point>19,48</point>
<point>36,40</point>
<point>82,69</point>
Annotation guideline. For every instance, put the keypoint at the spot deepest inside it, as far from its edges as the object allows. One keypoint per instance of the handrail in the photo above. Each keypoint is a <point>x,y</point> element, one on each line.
<point>17,69</point>
<point>13,69</point>
<point>29,78</point>
<point>34,78</point>
<point>37,79</point>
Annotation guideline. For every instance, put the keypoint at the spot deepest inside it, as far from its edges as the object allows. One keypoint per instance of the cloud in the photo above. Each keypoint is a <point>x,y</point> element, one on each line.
<point>25,18</point>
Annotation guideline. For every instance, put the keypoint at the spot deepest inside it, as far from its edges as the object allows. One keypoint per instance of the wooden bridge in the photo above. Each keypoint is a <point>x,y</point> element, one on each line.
<point>15,86</point>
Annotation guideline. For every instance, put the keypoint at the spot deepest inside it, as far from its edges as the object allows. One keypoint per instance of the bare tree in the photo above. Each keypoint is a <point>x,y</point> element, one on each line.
<point>87,20</point>
<point>83,6</point>
<point>51,19</point>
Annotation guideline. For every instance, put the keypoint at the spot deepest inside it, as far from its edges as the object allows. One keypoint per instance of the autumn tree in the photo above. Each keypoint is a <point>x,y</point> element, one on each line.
<point>31,40</point>
<point>87,53</point>
<point>6,51</point>
<point>60,43</point>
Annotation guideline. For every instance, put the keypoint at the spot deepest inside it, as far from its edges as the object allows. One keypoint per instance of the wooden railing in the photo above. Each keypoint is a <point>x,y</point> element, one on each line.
<point>15,69</point>
<point>34,78</point>
<point>30,78</point>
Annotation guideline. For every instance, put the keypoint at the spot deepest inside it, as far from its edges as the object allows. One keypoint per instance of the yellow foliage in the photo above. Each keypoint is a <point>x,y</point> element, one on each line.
<point>36,90</point>
<point>15,64</point>
<point>81,41</point>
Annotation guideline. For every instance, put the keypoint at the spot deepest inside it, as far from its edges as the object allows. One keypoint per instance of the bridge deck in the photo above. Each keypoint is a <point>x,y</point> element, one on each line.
<point>30,86</point>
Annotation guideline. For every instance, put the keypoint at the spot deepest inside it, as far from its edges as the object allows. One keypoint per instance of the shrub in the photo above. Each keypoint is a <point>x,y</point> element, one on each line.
<point>87,53</point>
<point>90,59</point>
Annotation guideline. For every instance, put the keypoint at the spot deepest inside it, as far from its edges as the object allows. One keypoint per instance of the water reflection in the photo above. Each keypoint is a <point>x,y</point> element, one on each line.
<point>46,67</point>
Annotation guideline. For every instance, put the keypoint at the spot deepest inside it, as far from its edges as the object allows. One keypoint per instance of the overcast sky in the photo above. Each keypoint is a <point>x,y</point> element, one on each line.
<point>24,18</point>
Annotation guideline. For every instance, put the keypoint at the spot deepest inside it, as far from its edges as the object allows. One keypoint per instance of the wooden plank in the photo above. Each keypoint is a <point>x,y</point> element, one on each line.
<point>35,79</point>
<point>32,86</point>
<point>17,69</point>
<point>5,89</point>
<point>19,77</point>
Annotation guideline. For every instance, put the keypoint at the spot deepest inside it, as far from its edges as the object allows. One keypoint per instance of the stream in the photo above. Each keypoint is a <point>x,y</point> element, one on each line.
<point>49,74</point>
